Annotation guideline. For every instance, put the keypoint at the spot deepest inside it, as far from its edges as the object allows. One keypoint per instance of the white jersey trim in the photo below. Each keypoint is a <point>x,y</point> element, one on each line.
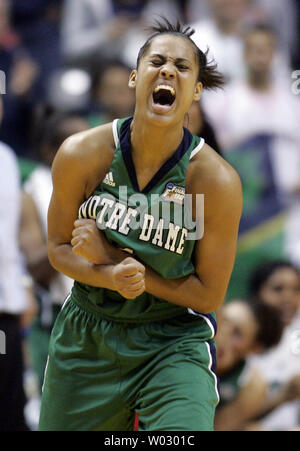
<point>209,323</point>
<point>198,148</point>
<point>66,300</point>
<point>211,370</point>
<point>115,131</point>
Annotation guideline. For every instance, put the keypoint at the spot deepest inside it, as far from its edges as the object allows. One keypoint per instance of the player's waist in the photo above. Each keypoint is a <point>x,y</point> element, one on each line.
<point>150,309</point>
<point>146,308</point>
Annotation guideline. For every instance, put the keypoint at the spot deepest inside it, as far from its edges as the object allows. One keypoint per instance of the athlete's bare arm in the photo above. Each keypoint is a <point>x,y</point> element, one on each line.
<point>79,166</point>
<point>215,252</point>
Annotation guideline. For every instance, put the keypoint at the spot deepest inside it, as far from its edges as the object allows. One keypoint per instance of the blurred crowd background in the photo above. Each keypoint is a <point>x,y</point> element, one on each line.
<point>65,66</point>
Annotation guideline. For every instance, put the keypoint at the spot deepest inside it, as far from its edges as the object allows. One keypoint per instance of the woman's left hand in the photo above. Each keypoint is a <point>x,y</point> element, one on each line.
<point>88,241</point>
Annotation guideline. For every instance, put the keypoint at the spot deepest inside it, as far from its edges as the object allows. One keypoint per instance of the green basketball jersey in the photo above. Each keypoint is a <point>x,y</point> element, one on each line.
<point>152,225</point>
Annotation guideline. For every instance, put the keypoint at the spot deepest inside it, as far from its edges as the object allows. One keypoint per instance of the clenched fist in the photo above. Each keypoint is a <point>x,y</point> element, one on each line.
<point>88,242</point>
<point>129,278</point>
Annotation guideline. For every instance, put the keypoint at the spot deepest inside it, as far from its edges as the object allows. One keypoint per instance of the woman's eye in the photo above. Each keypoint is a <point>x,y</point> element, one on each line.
<point>156,63</point>
<point>277,288</point>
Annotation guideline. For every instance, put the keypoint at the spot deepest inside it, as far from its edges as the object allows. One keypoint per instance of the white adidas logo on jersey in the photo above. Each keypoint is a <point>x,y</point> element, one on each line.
<point>109,179</point>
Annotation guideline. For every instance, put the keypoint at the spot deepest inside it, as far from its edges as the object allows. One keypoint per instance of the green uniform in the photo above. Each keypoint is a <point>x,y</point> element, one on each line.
<point>110,356</point>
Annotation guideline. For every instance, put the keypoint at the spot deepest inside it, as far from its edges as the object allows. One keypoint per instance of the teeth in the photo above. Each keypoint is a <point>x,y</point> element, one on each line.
<point>167,87</point>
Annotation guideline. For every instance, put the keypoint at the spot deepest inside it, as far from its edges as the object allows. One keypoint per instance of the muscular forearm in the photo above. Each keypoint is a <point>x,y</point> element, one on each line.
<point>98,258</point>
<point>65,261</point>
<point>114,270</point>
<point>187,291</point>
<point>183,291</point>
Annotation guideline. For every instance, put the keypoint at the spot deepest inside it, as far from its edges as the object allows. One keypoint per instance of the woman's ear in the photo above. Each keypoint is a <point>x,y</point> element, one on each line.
<point>198,91</point>
<point>132,79</point>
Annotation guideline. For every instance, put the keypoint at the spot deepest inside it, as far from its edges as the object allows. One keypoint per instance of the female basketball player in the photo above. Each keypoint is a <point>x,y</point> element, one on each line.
<point>136,334</point>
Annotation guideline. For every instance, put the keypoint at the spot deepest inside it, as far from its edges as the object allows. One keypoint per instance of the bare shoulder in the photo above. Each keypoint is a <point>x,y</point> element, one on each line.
<point>95,143</point>
<point>86,155</point>
<point>210,173</point>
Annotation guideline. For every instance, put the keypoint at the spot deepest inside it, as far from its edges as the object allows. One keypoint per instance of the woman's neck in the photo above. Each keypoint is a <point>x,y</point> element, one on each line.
<point>152,144</point>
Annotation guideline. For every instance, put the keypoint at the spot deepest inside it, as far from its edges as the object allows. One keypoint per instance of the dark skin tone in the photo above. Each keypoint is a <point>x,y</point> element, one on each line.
<point>78,249</point>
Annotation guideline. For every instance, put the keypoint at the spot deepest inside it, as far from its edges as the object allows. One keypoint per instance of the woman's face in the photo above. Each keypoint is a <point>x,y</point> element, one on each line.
<point>114,94</point>
<point>236,336</point>
<point>259,52</point>
<point>282,290</point>
<point>166,80</point>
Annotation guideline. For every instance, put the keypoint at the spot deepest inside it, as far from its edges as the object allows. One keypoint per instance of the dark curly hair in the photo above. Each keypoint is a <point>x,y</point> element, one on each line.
<point>264,271</point>
<point>209,76</point>
<point>270,325</point>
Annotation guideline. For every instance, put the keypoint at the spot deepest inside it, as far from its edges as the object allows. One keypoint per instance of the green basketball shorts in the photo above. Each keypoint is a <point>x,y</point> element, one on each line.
<point>100,372</point>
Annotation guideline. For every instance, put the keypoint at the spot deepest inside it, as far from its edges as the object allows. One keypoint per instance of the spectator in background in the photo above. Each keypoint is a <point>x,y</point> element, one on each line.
<point>111,95</point>
<point>277,283</point>
<point>244,329</point>
<point>20,74</point>
<point>222,33</point>
<point>50,287</point>
<point>110,28</point>
<point>282,16</point>
<point>13,296</point>
<point>195,10</point>
<point>257,104</point>
<point>37,22</point>
<point>260,105</point>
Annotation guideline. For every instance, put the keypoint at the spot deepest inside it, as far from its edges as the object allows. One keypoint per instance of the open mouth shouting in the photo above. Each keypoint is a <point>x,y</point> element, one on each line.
<point>163,98</point>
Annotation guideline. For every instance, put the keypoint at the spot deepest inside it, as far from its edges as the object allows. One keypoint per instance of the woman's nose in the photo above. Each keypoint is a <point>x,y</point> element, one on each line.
<point>167,72</point>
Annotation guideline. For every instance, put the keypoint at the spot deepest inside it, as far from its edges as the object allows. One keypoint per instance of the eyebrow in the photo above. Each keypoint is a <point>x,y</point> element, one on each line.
<point>177,60</point>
